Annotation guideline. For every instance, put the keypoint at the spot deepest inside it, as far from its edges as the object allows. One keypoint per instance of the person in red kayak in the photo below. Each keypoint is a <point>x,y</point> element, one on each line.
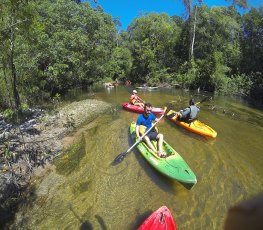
<point>146,120</point>
<point>135,100</point>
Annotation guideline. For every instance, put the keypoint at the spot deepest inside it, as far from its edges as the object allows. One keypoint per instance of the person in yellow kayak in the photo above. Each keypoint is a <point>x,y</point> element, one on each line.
<point>189,114</point>
<point>146,120</point>
<point>136,100</point>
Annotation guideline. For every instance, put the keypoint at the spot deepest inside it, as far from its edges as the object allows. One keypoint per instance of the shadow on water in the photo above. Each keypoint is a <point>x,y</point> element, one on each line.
<point>140,219</point>
<point>101,222</point>
<point>85,225</point>
<point>25,197</point>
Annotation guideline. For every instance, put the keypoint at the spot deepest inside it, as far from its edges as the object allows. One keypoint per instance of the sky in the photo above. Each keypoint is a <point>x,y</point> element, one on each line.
<point>127,10</point>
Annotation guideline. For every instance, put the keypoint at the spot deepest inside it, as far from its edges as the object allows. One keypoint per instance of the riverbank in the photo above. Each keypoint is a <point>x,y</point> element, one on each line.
<point>28,148</point>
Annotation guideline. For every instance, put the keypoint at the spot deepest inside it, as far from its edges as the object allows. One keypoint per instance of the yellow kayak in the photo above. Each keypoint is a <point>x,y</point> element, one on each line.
<point>195,126</point>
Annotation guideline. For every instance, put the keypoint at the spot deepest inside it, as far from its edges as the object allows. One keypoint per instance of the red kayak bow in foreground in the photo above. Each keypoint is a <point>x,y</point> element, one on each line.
<point>161,219</point>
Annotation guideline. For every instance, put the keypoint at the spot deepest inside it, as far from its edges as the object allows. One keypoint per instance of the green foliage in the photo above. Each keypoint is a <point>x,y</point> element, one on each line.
<point>217,31</point>
<point>152,79</point>
<point>164,75</point>
<point>188,74</point>
<point>5,98</point>
<point>152,37</point>
<point>48,47</point>
<point>120,63</point>
<point>24,106</point>
<point>79,44</point>
<point>217,49</point>
<point>56,100</point>
<point>66,45</point>
<point>252,41</point>
<point>239,85</point>
<point>218,78</point>
<point>256,90</point>
<point>16,19</point>
<point>9,114</point>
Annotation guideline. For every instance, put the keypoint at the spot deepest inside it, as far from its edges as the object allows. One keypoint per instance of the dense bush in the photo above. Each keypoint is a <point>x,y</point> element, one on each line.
<point>48,47</point>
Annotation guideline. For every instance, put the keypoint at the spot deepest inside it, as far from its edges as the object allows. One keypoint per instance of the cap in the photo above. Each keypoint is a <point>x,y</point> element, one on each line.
<point>134,91</point>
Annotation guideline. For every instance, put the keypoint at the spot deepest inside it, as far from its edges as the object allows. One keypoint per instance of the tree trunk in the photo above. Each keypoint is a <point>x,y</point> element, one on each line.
<point>193,38</point>
<point>13,67</point>
<point>7,85</point>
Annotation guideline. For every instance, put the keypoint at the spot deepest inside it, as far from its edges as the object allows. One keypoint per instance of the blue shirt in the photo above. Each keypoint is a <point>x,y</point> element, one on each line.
<point>146,121</point>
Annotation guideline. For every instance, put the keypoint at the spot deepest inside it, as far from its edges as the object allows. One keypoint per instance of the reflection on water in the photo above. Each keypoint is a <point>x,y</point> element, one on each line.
<point>85,192</point>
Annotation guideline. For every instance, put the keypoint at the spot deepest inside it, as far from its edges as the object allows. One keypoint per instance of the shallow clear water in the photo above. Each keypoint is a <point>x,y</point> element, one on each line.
<point>83,190</point>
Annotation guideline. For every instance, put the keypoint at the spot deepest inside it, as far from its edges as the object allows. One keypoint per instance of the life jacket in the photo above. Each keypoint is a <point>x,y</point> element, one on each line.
<point>133,99</point>
<point>142,129</point>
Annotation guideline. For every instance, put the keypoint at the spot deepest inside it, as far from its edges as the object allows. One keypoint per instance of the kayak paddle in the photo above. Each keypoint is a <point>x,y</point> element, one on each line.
<point>205,99</point>
<point>121,156</point>
<point>141,100</point>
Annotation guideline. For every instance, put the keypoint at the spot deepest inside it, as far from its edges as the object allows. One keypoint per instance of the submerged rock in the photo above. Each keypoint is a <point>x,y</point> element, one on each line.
<point>26,147</point>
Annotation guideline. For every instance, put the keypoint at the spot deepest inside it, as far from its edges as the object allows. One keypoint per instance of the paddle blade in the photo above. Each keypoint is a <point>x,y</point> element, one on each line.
<point>167,109</point>
<point>118,159</point>
<point>205,99</point>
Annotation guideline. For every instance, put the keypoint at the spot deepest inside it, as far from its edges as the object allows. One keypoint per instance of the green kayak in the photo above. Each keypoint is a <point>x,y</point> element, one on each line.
<point>172,166</point>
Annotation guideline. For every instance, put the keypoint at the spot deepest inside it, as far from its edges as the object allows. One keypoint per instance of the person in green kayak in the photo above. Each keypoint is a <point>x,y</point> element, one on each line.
<point>189,114</point>
<point>146,120</point>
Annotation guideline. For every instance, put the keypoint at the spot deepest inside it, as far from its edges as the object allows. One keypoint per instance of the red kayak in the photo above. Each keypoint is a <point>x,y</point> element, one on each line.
<point>161,219</point>
<point>138,109</point>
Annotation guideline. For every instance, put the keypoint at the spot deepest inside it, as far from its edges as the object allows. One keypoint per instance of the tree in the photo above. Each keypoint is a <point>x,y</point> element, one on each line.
<point>72,47</point>
<point>252,41</point>
<point>120,63</point>
<point>153,38</point>
<point>192,17</point>
<point>217,52</point>
<point>252,50</point>
<point>16,19</point>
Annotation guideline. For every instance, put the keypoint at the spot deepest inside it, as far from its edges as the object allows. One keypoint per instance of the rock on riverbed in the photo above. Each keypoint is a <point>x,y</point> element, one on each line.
<point>26,147</point>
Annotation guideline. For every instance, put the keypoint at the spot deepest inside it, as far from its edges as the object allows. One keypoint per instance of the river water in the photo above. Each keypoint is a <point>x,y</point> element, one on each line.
<point>83,190</point>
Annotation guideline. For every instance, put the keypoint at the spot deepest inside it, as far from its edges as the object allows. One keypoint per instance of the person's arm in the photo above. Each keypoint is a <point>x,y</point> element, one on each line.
<point>140,99</point>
